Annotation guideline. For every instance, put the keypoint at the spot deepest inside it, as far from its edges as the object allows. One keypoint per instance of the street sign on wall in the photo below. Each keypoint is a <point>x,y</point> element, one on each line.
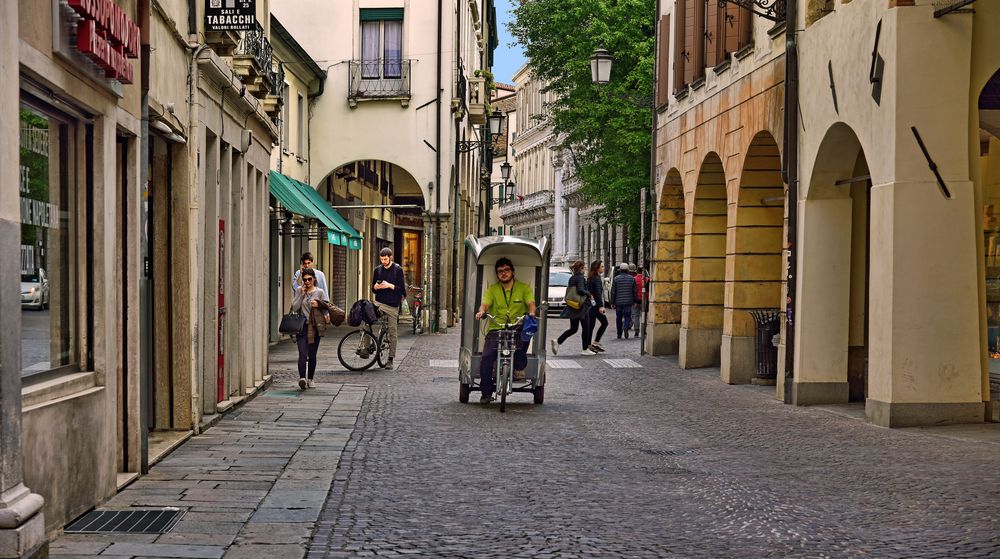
<point>230,15</point>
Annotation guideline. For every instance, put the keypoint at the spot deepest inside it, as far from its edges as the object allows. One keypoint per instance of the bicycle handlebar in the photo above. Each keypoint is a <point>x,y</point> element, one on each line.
<point>505,325</point>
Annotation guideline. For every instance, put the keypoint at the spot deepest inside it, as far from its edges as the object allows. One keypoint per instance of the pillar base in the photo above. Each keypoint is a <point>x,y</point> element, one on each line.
<point>739,359</point>
<point>699,348</point>
<point>663,339</point>
<point>905,414</point>
<point>22,525</point>
<point>814,393</point>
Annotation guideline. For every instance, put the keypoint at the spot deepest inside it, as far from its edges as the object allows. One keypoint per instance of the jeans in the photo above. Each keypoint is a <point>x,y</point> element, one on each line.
<point>307,355</point>
<point>488,361</point>
<point>623,319</point>
<point>636,313</point>
<point>574,323</point>
<point>595,318</point>
<point>392,315</point>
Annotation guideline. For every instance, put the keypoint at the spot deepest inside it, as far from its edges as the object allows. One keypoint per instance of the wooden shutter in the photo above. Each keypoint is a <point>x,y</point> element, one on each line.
<point>698,43</point>
<point>680,24</point>
<point>713,48</point>
<point>662,61</point>
<point>746,29</point>
<point>733,17</point>
<point>689,40</point>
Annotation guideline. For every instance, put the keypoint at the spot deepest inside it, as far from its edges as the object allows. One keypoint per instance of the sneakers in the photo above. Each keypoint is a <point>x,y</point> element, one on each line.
<point>388,366</point>
<point>596,347</point>
<point>555,347</point>
<point>519,376</point>
<point>302,384</point>
<point>310,383</point>
<point>588,352</point>
<point>485,400</point>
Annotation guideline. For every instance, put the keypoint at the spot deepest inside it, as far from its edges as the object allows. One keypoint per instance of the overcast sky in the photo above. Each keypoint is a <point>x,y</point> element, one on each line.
<point>506,60</point>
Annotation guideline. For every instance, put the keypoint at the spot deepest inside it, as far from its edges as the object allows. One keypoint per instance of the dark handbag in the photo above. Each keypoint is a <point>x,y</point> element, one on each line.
<point>337,315</point>
<point>574,299</point>
<point>292,323</point>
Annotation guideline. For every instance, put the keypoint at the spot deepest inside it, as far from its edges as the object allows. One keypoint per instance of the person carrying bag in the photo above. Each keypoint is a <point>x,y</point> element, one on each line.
<point>578,312</point>
<point>311,303</point>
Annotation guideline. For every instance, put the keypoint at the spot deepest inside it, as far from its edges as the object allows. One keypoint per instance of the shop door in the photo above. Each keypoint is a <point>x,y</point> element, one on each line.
<point>221,366</point>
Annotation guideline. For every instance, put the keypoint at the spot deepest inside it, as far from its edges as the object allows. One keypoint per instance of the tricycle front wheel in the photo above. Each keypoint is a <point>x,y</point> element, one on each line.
<point>463,393</point>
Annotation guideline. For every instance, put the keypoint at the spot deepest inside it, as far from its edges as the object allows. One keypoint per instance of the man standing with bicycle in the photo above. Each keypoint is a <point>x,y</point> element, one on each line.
<point>390,288</point>
<point>508,300</point>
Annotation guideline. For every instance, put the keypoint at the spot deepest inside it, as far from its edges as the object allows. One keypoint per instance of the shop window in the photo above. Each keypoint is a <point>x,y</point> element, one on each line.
<point>50,243</point>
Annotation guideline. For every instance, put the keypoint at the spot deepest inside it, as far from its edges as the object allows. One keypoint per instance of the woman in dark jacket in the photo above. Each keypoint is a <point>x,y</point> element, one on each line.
<point>577,317</point>
<point>596,287</point>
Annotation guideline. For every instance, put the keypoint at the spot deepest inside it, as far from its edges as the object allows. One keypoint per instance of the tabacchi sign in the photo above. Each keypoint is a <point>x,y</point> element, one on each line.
<point>107,36</point>
<point>230,15</point>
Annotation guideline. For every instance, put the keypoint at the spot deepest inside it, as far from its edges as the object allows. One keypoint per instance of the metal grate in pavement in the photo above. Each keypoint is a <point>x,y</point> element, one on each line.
<point>623,364</point>
<point>562,364</point>
<point>444,363</point>
<point>445,379</point>
<point>668,451</point>
<point>144,521</point>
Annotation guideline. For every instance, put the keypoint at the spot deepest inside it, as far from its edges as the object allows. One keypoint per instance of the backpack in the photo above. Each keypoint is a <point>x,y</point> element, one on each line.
<point>363,311</point>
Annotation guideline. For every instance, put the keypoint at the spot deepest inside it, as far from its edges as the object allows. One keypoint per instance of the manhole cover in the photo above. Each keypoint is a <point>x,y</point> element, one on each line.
<point>668,451</point>
<point>143,521</point>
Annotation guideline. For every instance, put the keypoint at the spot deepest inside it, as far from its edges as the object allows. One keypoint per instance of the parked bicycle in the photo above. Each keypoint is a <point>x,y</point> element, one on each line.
<point>417,294</point>
<point>360,349</point>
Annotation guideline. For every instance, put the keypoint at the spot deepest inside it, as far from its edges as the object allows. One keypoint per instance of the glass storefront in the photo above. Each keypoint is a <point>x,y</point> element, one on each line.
<point>47,169</point>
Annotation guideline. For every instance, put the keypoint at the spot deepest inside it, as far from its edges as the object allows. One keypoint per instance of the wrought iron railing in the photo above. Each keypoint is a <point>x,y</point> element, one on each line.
<point>379,78</point>
<point>277,79</point>
<point>255,44</point>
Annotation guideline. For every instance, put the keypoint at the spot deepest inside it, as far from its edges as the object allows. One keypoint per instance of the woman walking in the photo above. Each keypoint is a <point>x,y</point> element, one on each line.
<point>312,302</point>
<point>595,285</point>
<point>578,318</point>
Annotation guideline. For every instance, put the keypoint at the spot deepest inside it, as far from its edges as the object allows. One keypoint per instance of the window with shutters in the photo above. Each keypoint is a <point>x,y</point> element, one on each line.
<point>663,61</point>
<point>694,31</point>
<point>680,48</point>
<point>381,71</point>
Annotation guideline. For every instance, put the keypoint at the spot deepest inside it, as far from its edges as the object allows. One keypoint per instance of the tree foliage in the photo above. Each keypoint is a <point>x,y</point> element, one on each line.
<point>607,127</point>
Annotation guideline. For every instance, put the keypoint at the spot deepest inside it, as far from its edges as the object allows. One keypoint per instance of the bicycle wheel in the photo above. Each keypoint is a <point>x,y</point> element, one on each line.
<point>357,350</point>
<point>503,383</point>
<point>383,349</point>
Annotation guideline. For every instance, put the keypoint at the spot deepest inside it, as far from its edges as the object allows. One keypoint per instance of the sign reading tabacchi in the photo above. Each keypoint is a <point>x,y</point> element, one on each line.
<point>107,36</point>
<point>230,15</point>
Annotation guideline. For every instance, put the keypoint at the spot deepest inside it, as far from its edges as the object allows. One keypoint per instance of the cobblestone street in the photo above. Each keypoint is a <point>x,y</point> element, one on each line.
<point>639,459</point>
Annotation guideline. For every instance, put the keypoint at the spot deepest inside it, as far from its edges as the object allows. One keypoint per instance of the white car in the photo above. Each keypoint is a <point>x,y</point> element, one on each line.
<point>35,290</point>
<point>558,280</point>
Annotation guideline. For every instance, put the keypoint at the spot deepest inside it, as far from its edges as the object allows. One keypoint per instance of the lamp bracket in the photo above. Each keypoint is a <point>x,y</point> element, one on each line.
<point>773,10</point>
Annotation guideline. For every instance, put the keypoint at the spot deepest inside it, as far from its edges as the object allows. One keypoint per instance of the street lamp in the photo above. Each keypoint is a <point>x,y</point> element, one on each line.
<point>505,170</point>
<point>496,120</point>
<point>600,66</point>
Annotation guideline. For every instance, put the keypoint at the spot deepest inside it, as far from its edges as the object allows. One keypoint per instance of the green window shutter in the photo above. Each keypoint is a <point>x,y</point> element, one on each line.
<point>381,14</point>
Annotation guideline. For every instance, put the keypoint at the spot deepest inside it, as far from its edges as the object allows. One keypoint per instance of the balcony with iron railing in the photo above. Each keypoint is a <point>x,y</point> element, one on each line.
<point>534,206</point>
<point>273,100</point>
<point>253,62</point>
<point>379,79</point>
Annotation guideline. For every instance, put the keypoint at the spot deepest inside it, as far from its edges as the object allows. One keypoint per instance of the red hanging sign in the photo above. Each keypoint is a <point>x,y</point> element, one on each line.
<point>107,36</point>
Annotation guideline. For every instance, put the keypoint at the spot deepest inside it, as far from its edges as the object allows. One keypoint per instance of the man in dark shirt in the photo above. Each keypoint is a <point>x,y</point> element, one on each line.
<point>390,288</point>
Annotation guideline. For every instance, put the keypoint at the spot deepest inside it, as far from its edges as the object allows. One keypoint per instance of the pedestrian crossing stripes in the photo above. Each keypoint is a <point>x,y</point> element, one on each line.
<point>562,364</point>
<point>444,363</point>
<point>623,364</point>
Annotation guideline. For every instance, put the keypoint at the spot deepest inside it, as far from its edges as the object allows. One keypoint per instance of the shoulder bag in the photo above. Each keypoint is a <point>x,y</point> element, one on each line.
<point>292,323</point>
<point>574,299</point>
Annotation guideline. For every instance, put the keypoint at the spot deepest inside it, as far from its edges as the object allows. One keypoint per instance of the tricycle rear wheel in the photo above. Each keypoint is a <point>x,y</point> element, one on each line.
<point>463,393</point>
<point>539,393</point>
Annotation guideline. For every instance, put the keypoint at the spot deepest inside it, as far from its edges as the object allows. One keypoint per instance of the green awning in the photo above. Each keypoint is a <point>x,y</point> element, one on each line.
<point>302,199</point>
<point>376,14</point>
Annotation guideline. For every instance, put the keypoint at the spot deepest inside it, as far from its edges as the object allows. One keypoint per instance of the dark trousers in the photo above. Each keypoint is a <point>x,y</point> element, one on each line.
<point>488,361</point>
<point>597,318</point>
<point>307,355</point>
<point>584,324</point>
<point>623,318</point>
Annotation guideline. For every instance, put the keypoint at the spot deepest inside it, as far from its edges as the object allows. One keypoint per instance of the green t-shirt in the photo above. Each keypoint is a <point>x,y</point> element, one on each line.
<point>507,304</point>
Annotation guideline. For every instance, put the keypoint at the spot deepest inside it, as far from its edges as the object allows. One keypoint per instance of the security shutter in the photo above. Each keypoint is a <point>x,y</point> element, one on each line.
<point>662,62</point>
<point>680,23</point>
<point>381,14</point>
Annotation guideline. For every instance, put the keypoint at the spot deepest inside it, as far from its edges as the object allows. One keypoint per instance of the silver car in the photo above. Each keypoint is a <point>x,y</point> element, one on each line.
<point>558,281</point>
<point>35,290</point>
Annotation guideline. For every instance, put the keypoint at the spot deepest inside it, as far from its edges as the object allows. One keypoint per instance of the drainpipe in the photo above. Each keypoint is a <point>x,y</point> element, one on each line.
<point>643,209</point>
<point>436,319</point>
<point>145,338</point>
<point>193,132</point>
<point>791,176</point>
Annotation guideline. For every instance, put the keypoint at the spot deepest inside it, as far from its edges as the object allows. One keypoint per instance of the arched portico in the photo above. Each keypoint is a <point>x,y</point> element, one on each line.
<point>754,265</point>
<point>704,268</point>
<point>666,279</point>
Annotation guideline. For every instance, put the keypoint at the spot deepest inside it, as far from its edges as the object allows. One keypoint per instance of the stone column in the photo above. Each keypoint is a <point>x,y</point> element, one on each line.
<point>22,525</point>
<point>573,250</point>
<point>559,214</point>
